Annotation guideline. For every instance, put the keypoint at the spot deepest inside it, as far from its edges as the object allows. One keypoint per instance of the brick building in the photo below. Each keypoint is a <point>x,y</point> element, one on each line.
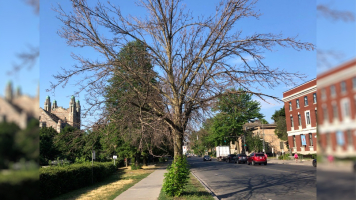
<point>337,108</point>
<point>58,117</point>
<point>301,111</point>
<point>18,108</point>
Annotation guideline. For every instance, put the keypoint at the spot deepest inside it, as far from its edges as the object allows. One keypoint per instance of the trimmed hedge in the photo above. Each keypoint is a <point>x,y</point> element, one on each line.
<point>19,185</point>
<point>58,180</point>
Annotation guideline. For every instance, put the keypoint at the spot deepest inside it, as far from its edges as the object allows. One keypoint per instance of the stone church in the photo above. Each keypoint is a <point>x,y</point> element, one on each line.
<point>58,117</point>
<point>18,108</point>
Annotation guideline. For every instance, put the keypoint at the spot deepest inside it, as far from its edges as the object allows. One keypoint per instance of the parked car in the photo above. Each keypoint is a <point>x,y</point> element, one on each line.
<point>314,162</point>
<point>230,158</point>
<point>207,158</point>
<point>257,158</point>
<point>241,158</point>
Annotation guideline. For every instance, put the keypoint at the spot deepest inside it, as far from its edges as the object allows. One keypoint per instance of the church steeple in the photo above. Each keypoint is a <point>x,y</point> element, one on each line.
<point>8,92</point>
<point>47,105</point>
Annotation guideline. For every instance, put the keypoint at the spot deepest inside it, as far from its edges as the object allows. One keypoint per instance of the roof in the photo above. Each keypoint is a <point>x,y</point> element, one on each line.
<point>300,85</point>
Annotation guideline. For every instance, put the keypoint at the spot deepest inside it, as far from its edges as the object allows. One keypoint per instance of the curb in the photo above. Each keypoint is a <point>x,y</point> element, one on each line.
<point>205,186</point>
<point>302,164</point>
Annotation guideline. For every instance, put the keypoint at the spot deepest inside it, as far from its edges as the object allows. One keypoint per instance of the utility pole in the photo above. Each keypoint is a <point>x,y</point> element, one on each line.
<point>263,133</point>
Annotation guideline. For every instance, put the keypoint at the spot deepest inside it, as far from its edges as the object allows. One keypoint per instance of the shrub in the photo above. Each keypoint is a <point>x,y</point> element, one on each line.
<point>58,180</point>
<point>176,178</point>
<point>135,167</point>
<point>284,157</point>
<point>162,159</point>
<point>19,184</point>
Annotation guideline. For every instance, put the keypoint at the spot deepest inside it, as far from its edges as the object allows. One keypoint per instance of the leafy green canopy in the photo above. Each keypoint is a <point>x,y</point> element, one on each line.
<point>234,111</point>
<point>279,118</point>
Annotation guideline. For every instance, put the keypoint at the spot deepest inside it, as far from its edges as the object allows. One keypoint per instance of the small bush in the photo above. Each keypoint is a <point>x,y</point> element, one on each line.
<point>162,159</point>
<point>284,157</point>
<point>176,178</point>
<point>58,180</point>
<point>136,167</point>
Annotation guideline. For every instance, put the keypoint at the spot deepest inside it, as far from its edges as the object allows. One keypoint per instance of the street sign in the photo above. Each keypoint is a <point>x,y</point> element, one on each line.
<point>93,154</point>
<point>114,157</point>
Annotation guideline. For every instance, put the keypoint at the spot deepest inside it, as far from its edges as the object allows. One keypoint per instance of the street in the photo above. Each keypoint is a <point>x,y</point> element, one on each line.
<point>335,185</point>
<point>242,181</point>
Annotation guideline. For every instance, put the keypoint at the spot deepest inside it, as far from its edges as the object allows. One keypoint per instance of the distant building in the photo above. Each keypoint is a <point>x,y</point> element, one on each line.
<point>265,131</point>
<point>337,110</point>
<point>18,108</point>
<point>301,111</point>
<point>58,117</point>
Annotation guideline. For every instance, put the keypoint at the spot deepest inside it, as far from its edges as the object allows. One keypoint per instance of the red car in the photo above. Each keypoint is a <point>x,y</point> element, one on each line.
<point>257,158</point>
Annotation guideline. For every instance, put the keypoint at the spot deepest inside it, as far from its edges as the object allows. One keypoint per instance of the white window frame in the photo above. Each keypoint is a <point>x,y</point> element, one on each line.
<point>332,90</point>
<point>345,110</point>
<point>314,98</point>
<point>306,103</point>
<point>290,106</point>
<point>334,105</point>
<point>297,103</point>
<point>306,119</point>
<point>343,83</point>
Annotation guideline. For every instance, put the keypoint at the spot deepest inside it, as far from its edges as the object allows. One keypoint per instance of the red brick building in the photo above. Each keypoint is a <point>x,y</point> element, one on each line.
<point>337,106</point>
<point>301,110</point>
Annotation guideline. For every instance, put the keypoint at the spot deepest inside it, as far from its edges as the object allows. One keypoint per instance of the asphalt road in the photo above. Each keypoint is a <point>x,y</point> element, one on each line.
<point>336,185</point>
<point>242,181</point>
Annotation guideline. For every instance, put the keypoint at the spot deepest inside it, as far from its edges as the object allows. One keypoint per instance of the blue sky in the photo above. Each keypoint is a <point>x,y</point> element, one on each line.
<point>19,29</point>
<point>291,18</point>
<point>337,35</point>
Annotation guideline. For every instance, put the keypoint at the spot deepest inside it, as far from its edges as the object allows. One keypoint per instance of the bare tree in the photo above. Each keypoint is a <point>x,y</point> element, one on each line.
<point>189,54</point>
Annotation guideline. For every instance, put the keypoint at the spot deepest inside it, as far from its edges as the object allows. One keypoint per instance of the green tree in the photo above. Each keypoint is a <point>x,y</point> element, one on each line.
<point>48,151</point>
<point>279,118</point>
<point>234,111</point>
<point>8,151</point>
<point>69,142</point>
<point>254,143</point>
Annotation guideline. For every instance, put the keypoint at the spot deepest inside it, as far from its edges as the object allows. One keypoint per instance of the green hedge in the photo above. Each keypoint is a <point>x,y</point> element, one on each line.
<point>62,179</point>
<point>19,185</point>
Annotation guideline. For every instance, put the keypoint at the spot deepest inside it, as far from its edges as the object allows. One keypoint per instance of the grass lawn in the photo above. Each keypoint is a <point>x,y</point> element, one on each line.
<point>110,187</point>
<point>194,190</point>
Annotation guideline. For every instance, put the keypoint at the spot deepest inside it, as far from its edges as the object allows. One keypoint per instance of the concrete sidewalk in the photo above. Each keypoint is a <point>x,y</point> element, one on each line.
<point>148,188</point>
<point>291,162</point>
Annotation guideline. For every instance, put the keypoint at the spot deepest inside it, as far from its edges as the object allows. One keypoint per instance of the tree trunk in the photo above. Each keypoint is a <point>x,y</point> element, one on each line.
<point>178,144</point>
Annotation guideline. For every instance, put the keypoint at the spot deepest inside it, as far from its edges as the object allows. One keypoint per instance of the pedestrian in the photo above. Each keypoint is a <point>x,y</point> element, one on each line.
<point>296,157</point>
<point>266,156</point>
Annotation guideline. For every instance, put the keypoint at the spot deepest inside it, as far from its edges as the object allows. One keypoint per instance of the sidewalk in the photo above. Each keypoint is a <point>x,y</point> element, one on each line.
<point>148,188</point>
<point>291,162</point>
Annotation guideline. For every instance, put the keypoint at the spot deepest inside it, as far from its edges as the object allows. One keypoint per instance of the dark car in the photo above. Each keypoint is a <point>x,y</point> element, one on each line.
<point>314,162</point>
<point>257,158</point>
<point>230,158</point>
<point>207,158</point>
<point>241,158</point>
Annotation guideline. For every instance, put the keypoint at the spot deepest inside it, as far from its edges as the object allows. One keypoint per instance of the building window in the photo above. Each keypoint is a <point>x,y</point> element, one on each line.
<point>346,108</point>
<point>354,83</point>
<point>305,101</point>
<point>335,111</point>
<point>314,98</point>
<point>294,142</point>
<point>291,121</point>
<point>297,102</point>
<point>307,117</point>
<point>332,91</point>
<point>343,86</point>
<point>299,120</point>
<point>325,112</point>
<point>311,139</point>
<point>323,94</point>
<point>316,116</point>
<point>290,105</point>
<point>350,138</point>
